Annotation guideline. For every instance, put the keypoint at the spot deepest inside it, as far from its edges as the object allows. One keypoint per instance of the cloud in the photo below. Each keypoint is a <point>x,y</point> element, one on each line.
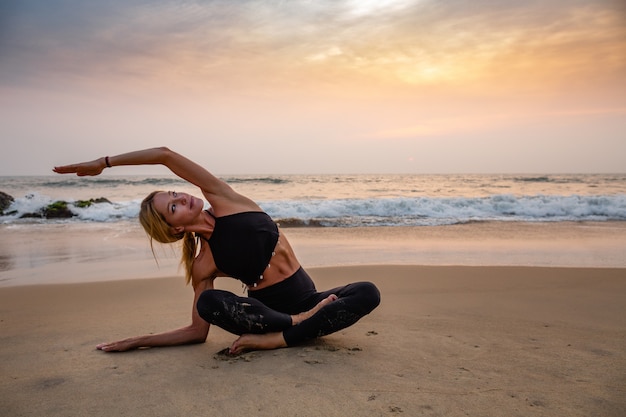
<point>273,45</point>
<point>407,52</point>
<point>473,123</point>
<point>359,8</point>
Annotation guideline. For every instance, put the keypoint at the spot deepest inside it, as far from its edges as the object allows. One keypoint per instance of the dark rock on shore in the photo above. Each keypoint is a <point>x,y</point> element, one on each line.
<point>291,222</point>
<point>5,202</point>
<point>87,203</point>
<point>59,209</point>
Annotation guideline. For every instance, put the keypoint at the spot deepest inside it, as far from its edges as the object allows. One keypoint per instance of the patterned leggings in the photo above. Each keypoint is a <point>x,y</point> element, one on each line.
<point>269,309</point>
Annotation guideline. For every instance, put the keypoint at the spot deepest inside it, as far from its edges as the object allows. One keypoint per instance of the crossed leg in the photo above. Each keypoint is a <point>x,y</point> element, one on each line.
<point>261,327</point>
<point>274,340</point>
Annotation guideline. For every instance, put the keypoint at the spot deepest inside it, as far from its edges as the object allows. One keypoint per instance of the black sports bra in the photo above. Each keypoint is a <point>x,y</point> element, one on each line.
<point>242,244</point>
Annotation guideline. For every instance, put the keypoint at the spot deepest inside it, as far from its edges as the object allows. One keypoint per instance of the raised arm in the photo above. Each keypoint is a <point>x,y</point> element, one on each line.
<point>212,187</point>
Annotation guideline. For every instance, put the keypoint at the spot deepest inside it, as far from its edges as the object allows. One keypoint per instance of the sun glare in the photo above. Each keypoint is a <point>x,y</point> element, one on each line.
<point>366,7</point>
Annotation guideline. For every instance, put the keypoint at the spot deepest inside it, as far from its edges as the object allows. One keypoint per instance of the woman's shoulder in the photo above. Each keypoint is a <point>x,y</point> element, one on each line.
<point>230,203</point>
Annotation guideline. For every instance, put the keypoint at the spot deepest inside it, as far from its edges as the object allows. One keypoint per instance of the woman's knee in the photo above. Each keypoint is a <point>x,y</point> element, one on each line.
<point>209,302</point>
<point>370,295</point>
<point>365,296</point>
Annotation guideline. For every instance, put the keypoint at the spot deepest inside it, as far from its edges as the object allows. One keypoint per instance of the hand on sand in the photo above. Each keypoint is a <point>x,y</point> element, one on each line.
<point>91,168</point>
<point>121,346</point>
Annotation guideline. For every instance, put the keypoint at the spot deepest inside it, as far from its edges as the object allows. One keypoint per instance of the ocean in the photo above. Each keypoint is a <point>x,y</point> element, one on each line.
<point>344,200</point>
<point>530,220</point>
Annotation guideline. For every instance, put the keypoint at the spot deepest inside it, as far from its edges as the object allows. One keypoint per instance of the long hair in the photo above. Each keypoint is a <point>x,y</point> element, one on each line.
<point>157,229</point>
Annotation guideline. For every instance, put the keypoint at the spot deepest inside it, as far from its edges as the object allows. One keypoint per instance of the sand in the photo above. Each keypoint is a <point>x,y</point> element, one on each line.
<point>470,340</point>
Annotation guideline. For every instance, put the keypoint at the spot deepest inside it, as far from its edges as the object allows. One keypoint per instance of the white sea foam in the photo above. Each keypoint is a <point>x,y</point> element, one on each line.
<point>346,200</point>
<point>419,211</point>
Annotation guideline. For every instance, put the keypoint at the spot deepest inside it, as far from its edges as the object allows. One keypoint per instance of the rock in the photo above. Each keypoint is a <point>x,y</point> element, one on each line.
<point>31,216</point>
<point>5,202</point>
<point>57,210</point>
<point>87,203</point>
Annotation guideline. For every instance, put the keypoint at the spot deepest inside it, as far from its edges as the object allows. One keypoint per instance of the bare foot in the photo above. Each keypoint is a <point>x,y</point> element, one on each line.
<point>267,341</point>
<point>257,342</point>
<point>295,319</point>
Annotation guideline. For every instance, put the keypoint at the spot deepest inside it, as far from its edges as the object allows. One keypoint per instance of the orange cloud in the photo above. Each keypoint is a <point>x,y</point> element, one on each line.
<point>442,126</point>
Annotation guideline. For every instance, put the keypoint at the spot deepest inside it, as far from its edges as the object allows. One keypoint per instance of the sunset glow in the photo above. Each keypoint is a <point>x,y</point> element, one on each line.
<point>273,78</point>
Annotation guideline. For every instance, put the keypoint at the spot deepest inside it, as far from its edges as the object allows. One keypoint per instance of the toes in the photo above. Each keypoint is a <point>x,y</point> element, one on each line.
<point>328,299</point>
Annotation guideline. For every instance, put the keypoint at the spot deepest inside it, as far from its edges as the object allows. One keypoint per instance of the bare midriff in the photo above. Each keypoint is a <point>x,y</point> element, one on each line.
<point>283,264</point>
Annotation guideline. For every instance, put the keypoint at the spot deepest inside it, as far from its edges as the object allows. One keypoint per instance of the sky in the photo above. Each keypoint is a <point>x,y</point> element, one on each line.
<point>316,86</point>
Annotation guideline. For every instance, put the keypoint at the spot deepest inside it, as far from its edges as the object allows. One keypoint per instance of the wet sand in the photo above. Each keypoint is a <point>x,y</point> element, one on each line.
<point>73,253</point>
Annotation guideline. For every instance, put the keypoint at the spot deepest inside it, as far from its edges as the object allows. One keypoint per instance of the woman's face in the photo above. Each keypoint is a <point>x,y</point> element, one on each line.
<point>178,209</point>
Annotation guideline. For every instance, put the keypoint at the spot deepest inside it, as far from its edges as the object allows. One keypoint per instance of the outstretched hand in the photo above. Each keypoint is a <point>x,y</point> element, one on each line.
<point>120,346</point>
<point>83,169</point>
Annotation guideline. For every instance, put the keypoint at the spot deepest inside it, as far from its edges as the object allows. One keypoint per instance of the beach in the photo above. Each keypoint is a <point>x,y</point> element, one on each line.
<point>485,319</point>
<point>467,158</point>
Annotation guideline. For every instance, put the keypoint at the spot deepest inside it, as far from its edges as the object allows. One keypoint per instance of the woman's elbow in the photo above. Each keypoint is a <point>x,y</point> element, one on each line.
<point>164,151</point>
<point>197,341</point>
<point>199,335</point>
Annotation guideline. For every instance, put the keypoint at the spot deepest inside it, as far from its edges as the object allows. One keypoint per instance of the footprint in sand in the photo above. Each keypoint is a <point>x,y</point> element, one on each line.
<point>225,355</point>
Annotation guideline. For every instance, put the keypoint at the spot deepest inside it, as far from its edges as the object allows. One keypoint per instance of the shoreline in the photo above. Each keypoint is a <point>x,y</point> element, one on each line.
<point>72,253</point>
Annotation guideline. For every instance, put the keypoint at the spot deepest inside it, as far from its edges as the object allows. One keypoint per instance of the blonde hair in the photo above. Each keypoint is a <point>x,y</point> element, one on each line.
<point>158,229</point>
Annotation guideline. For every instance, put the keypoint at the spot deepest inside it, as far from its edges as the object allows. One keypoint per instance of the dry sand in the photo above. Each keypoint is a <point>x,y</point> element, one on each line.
<point>445,341</point>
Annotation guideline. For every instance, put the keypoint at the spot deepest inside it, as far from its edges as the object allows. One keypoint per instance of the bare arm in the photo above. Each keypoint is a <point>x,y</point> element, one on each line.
<point>212,187</point>
<point>196,332</point>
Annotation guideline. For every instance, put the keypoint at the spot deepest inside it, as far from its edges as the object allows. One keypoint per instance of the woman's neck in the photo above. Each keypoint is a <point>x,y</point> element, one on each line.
<point>204,225</point>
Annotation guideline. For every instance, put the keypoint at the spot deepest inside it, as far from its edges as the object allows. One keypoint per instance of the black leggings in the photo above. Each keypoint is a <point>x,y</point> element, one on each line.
<point>269,309</point>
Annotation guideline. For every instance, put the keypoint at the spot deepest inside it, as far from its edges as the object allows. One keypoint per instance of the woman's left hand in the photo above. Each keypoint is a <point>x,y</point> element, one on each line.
<point>90,168</point>
<point>119,346</point>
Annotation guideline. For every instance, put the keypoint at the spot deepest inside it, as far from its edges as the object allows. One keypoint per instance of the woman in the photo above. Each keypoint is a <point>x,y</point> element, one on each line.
<point>239,240</point>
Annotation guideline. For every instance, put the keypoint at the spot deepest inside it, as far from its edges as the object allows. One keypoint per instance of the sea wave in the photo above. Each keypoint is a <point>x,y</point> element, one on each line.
<point>256,180</point>
<point>104,182</point>
<point>569,179</point>
<point>370,212</point>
